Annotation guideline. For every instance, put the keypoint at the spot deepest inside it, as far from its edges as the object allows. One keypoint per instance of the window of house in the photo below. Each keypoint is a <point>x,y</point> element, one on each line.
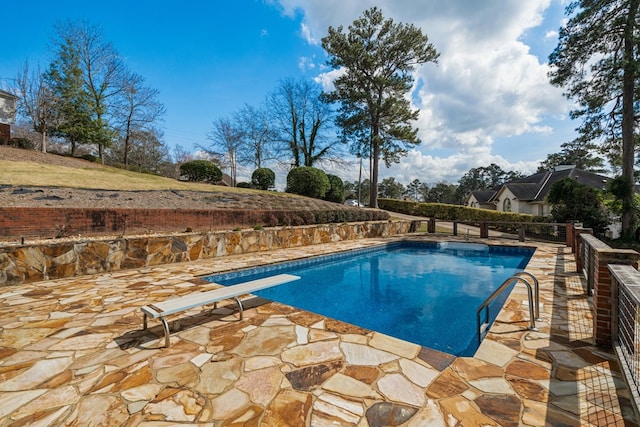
<point>506,205</point>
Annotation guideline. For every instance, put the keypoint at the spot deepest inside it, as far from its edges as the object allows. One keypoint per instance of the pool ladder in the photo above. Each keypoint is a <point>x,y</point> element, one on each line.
<point>534,305</point>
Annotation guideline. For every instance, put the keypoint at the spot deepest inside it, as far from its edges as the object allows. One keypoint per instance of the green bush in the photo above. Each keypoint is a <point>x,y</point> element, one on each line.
<point>573,201</point>
<point>263,178</point>
<point>200,171</point>
<point>244,185</point>
<point>89,157</point>
<point>18,142</point>
<point>308,181</point>
<point>336,190</point>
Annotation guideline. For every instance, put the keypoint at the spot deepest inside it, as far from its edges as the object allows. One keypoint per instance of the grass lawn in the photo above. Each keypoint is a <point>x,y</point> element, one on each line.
<point>105,178</point>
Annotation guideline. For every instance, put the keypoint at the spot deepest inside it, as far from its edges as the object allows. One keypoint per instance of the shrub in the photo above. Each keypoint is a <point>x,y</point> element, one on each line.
<point>573,201</point>
<point>200,171</point>
<point>243,185</point>
<point>454,212</point>
<point>285,219</point>
<point>308,181</point>
<point>336,190</point>
<point>263,178</point>
<point>89,158</point>
<point>296,220</point>
<point>271,220</point>
<point>17,142</point>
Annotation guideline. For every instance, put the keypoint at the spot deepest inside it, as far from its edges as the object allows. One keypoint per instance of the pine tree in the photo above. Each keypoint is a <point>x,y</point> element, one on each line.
<point>378,58</point>
<point>596,61</point>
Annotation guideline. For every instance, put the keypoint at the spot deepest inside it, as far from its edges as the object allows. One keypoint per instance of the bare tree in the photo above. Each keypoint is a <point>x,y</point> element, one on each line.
<point>149,153</point>
<point>37,102</point>
<point>257,135</point>
<point>180,155</point>
<point>138,109</point>
<point>227,142</point>
<point>302,120</point>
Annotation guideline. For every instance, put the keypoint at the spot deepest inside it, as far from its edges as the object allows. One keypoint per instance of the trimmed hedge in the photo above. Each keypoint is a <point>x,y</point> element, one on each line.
<point>263,178</point>
<point>308,181</point>
<point>201,170</point>
<point>454,212</point>
<point>279,218</point>
<point>336,191</point>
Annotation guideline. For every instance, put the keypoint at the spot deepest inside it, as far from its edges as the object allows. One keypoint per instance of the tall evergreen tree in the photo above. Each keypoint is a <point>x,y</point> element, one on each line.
<point>577,153</point>
<point>483,178</point>
<point>391,189</point>
<point>73,102</point>
<point>596,61</point>
<point>413,189</point>
<point>378,58</point>
<point>101,72</point>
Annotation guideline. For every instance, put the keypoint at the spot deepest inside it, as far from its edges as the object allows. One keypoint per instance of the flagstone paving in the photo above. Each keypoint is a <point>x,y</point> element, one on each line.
<point>72,353</point>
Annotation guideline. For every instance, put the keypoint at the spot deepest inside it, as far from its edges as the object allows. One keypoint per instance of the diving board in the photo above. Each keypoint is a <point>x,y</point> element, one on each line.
<point>165,308</point>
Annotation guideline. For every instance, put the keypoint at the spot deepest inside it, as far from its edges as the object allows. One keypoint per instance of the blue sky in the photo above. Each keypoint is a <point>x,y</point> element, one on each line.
<point>488,99</point>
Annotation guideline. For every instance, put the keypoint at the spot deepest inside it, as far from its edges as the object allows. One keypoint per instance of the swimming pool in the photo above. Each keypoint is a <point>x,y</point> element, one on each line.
<point>422,292</point>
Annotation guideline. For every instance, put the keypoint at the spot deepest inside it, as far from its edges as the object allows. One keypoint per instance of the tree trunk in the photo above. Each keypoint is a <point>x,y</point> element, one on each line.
<point>44,141</point>
<point>628,146</point>
<point>373,190</point>
<point>126,151</point>
<point>101,153</point>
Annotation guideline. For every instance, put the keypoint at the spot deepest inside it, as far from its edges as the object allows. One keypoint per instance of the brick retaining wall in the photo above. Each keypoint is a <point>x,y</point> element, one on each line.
<point>17,223</point>
<point>599,257</point>
<point>53,222</point>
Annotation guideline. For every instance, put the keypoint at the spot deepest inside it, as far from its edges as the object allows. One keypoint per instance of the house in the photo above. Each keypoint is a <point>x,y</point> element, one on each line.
<point>528,195</point>
<point>481,199</point>
<point>7,115</point>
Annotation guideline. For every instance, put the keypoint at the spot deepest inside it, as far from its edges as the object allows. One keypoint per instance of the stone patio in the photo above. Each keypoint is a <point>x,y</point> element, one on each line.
<point>72,353</point>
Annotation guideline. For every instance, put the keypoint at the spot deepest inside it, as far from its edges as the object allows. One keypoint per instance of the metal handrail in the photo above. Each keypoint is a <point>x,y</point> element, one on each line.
<point>536,291</point>
<point>534,309</point>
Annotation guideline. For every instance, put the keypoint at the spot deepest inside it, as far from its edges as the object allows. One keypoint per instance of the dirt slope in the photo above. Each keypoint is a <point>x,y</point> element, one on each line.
<point>12,193</point>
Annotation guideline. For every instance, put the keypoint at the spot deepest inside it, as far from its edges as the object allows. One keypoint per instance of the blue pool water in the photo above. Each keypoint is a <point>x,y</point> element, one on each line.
<point>422,292</point>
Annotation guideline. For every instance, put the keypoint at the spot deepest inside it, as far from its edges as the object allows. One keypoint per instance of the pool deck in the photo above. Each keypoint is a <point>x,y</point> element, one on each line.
<point>72,353</point>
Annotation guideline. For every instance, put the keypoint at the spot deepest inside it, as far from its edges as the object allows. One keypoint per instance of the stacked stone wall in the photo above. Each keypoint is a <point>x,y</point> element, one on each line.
<point>53,260</point>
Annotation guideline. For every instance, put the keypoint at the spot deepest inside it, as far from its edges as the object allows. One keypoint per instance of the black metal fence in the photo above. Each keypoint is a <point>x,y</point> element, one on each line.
<point>522,231</point>
<point>626,324</point>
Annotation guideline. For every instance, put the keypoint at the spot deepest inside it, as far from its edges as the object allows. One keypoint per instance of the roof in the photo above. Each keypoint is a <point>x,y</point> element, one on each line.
<point>6,94</point>
<point>534,188</point>
<point>483,196</point>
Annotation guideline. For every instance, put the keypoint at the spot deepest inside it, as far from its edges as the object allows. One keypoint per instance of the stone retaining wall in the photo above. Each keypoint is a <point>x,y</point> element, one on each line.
<point>54,260</point>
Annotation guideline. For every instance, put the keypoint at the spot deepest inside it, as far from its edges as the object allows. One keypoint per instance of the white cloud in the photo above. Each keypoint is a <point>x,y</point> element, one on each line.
<point>326,79</point>
<point>486,87</point>
<point>306,34</point>
<point>551,35</point>
<point>305,63</point>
